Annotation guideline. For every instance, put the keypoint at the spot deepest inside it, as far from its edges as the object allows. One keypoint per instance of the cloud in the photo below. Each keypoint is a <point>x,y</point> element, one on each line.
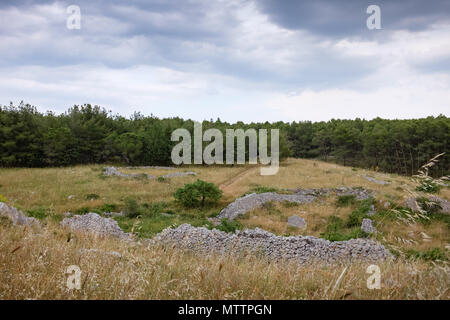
<point>236,59</point>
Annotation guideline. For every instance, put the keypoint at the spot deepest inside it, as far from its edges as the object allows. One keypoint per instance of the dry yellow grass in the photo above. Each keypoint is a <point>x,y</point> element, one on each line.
<point>34,261</point>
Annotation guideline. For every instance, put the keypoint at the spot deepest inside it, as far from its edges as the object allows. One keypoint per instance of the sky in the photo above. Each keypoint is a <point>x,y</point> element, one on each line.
<point>237,60</point>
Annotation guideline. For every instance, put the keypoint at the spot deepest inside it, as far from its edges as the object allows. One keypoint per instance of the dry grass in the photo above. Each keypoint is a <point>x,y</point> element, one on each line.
<point>33,264</point>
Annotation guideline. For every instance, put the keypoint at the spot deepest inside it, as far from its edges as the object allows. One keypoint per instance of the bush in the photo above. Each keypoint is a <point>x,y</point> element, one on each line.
<point>108,207</point>
<point>229,225</point>
<point>198,193</point>
<point>131,209</point>
<point>346,200</point>
<point>428,255</point>
<point>92,196</point>
<point>429,186</point>
<point>38,213</point>
<point>2,198</point>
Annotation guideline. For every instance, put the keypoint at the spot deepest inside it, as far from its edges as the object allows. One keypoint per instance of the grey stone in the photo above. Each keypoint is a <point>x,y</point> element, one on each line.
<point>302,249</point>
<point>17,217</point>
<point>367,226</point>
<point>296,221</point>
<point>371,211</point>
<point>95,224</point>
<point>375,180</point>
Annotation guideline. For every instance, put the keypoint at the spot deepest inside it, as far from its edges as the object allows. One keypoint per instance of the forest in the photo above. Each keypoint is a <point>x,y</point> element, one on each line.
<point>89,134</point>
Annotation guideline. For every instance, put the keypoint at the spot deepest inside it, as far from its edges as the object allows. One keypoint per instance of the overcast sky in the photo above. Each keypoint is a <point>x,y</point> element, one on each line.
<point>264,60</point>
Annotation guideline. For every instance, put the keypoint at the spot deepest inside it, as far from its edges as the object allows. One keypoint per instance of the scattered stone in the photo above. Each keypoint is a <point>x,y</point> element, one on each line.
<point>16,216</point>
<point>112,171</point>
<point>296,221</point>
<point>95,224</point>
<point>367,226</point>
<point>70,197</point>
<point>114,214</point>
<point>387,204</point>
<point>415,206</point>
<point>412,204</point>
<point>255,200</point>
<point>67,214</point>
<point>302,249</point>
<point>375,180</point>
<point>179,174</point>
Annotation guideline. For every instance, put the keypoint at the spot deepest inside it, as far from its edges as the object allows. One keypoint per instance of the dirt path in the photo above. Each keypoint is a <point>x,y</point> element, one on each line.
<point>228,185</point>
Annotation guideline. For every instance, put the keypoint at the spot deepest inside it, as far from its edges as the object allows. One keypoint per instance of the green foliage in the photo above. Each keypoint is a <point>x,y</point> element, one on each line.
<point>92,196</point>
<point>38,213</point>
<point>89,134</point>
<point>132,208</point>
<point>432,254</point>
<point>262,189</point>
<point>2,198</point>
<point>429,186</point>
<point>161,179</point>
<point>108,207</point>
<point>229,225</point>
<point>345,200</point>
<point>83,210</point>
<point>198,194</point>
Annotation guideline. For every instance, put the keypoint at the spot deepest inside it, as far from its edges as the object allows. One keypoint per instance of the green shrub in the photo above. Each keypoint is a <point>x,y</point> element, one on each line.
<point>229,225</point>
<point>161,179</point>
<point>428,255</point>
<point>346,200</point>
<point>262,189</point>
<point>92,196</point>
<point>2,198</point>
<point>198,194</point>
<point>131,209</point>
<point>429,186</point>
<point>83,210</point>
<point>108,207</point>
<point>38,213</point>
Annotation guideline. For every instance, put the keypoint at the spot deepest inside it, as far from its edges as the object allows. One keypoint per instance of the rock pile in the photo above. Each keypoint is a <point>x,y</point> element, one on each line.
<point>16,216</point>
<point>112,171</point>
<point>302,249</point>
<point>367,226</point>
<point>255,200</point>
<point>297,222</point>
<point>95,224</point>
<point>415,206</point>
<point>375,180</point>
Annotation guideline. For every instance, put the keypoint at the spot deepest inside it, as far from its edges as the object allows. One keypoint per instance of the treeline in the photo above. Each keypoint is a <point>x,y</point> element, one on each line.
<point>89,134</point>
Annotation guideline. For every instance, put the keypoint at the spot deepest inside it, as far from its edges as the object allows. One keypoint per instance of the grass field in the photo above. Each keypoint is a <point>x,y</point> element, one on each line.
<point>36,259</point>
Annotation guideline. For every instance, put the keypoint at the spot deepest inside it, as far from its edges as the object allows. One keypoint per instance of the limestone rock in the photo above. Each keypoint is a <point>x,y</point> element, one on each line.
<point>296,221</point>
<point>367,226</point>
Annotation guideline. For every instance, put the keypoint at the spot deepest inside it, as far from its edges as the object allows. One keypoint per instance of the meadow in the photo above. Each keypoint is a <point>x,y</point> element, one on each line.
<point>35,258</point>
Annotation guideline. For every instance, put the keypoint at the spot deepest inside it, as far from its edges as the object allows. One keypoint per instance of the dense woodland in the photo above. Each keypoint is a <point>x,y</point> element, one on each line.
<point>89,134</point>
